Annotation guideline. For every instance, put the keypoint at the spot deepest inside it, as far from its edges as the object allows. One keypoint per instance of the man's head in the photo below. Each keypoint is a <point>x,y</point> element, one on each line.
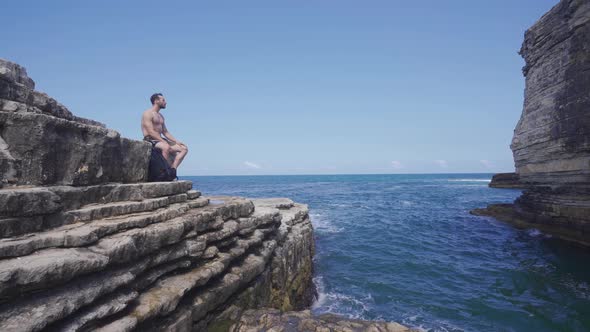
<point>158,99</point>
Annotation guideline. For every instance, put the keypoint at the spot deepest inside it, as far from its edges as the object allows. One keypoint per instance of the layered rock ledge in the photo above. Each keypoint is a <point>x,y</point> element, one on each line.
<point>551,143</point>
<point>151,256</point>
<point>507,180</point>
<point>87,245</point>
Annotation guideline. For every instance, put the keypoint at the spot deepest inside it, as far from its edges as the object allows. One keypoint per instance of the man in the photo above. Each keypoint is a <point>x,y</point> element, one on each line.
<point>154,131</point>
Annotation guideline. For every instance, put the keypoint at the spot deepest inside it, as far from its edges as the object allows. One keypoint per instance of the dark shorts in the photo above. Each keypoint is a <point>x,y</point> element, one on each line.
<point>153,141</point>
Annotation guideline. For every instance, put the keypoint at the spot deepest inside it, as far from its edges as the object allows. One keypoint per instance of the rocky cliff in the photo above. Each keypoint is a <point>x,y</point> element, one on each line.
<point>58,147</point>
<point>551,143</point>
<point>86,245</point>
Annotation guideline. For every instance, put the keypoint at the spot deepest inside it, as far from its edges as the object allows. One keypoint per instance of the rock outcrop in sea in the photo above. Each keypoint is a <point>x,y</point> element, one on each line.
<point>506,180</point>
<point>87,245</point>
<point>551,143</point>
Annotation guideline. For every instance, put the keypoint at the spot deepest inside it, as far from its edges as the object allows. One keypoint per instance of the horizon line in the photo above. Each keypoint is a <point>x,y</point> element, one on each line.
<point>335,174</point>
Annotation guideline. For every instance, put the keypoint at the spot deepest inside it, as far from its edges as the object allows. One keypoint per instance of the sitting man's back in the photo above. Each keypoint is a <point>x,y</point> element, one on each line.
<point>154,131</point>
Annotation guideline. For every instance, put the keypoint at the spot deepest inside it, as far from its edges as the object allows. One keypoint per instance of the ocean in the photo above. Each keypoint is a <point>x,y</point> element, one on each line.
<point>405,248</point>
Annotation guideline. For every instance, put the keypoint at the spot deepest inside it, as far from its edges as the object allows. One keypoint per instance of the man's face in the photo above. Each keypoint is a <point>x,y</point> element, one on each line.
<point>161,102</point>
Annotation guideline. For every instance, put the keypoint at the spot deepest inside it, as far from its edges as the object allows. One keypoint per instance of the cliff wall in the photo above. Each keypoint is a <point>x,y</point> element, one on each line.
<point>551,143</point>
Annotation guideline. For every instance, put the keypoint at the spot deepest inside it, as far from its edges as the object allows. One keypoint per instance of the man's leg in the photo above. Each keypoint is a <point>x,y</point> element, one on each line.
<point>165,148</point>
<point>181,151</point>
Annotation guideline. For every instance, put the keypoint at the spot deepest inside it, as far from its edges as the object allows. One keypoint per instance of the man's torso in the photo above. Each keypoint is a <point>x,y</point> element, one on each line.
<point>157,122</point>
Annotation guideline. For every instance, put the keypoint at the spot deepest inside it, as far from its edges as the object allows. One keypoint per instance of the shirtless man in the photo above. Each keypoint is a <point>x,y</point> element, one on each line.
<point>155,131</point>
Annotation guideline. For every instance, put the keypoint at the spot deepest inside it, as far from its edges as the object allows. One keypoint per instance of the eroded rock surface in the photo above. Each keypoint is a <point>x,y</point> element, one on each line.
<point>43,143</point>
<point>119,262</point>
<point>551,143</point>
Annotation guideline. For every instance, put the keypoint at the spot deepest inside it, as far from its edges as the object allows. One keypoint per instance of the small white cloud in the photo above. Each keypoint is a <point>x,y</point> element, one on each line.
<point>252,165</point>
<point>396,164</point>
<point>487,163</point>
<point>442,163</point>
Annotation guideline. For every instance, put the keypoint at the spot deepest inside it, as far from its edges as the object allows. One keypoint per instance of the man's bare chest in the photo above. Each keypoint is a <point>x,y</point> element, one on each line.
<point>158,119</point>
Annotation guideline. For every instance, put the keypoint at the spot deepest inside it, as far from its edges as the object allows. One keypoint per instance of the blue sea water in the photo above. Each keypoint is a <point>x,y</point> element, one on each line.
<point>405,248</point>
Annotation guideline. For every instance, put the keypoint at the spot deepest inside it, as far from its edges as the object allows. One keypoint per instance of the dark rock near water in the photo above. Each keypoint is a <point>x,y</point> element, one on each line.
<point>274,320</point>
<point>551,143</point>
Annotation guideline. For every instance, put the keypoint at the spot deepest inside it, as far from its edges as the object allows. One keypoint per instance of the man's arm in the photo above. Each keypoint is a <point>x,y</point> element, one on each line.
<point>169,136</point>
<point>148,123</point>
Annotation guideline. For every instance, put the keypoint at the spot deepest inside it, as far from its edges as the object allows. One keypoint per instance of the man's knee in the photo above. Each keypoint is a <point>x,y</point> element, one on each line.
<point>181,149</point>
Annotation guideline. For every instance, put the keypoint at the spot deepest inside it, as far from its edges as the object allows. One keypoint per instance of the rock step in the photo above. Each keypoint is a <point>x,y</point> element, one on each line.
<point>101,211</point>
<point>253,265</point>
<point>82,234</point>
<point>102,290</point>
<point>193,194</point>
<point>48,267</point>
<point>291,213</point>
<point>210,269</point>
<point>18,226</point>
<point>27,202</point>
<point>106,307</point>
<point>215,295</point>
<point>198,202</point>
<point>164,297</point>
<point>55,303</point>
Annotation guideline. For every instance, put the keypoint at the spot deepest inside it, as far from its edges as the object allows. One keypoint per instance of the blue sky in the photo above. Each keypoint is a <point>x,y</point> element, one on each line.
<point>291,87</point>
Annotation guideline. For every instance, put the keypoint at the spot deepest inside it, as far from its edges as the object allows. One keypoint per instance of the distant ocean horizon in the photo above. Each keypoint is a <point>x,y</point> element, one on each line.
<point>403,247</point>
<point>352,174</point>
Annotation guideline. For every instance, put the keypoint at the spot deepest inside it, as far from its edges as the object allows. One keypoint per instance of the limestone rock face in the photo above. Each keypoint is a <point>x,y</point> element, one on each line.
<point>146,256</point>
<point>551,143</point>
<point>43,143</point>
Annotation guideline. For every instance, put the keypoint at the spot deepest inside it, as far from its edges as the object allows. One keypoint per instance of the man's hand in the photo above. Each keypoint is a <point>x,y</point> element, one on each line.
<point>180,143</point>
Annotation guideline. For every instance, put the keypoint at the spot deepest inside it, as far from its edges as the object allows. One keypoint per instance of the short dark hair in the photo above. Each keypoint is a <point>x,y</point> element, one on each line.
<point>155,97</point>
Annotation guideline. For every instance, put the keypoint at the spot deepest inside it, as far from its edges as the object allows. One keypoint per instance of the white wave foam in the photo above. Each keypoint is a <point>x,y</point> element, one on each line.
<point>537,233</point>
<point>340,205</point>
<point>407,203</point>
<point>323,225</point>
<point>534,232</point>
<point>337,303</point>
